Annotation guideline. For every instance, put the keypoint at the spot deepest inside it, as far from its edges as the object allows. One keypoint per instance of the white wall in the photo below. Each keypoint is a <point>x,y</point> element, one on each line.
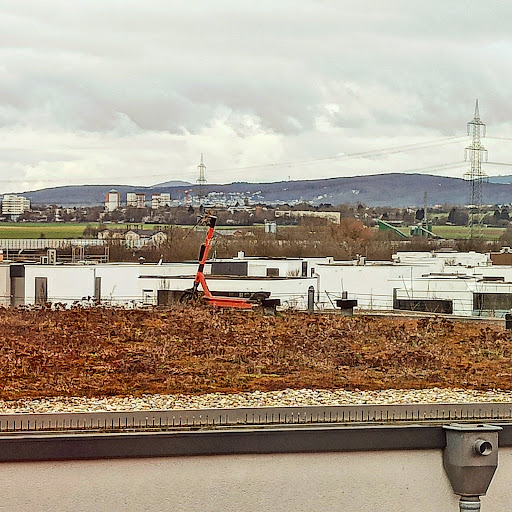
<point>458,290</point>
<point>5,284</point>
<point>293,292</point>
<point>120,282</point>
<point>372,285</point>
<point>398,481</point>
<point>66,283</point>
<point>286,267</point>
<point>504,271</point>
<point>470,258</point>
<point>258,266</point>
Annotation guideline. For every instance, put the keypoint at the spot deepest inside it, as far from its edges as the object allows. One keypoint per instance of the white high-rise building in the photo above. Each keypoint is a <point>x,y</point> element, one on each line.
<point>112,200</point>
<point>160,200</point>
<point>14,205</point>
<point>135,200</point>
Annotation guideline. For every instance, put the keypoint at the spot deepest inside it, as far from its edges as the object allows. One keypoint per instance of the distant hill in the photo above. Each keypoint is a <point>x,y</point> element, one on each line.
<point>377,190</point>
<point>174,183</point>
<point>500,179</point>
<point>75,195</point>
<point>88,195</point>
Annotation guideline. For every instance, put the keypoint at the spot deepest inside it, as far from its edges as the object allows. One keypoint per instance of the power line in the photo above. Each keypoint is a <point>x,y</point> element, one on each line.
<point>377,152</point>
<point>352,156</point>
<point>499,163</point>
<point>435,167</point>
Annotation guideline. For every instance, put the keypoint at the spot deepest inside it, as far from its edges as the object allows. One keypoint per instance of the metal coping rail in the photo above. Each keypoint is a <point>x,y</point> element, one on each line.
<point>176,419</point>
<point>52,446</point>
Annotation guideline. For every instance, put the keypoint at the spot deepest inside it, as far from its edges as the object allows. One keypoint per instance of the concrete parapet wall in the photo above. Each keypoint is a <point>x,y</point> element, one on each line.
<point>397,481</point>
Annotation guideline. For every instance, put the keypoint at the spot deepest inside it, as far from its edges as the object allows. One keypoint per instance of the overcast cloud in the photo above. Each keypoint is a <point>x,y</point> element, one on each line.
<point>133,91</point>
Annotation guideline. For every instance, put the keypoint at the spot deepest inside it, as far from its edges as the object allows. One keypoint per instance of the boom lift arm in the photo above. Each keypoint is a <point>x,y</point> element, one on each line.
<point>214,300</point>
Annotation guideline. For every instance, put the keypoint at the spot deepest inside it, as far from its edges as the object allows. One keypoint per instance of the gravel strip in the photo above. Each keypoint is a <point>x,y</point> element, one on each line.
<point>287,397</point>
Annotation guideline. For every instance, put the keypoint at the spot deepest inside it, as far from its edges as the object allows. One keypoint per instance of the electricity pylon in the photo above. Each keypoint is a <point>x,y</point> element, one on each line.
<point>476,153</point>
<point>201,181</point>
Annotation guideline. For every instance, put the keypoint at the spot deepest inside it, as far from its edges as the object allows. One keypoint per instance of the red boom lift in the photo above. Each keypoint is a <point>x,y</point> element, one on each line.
<point>214,300</point>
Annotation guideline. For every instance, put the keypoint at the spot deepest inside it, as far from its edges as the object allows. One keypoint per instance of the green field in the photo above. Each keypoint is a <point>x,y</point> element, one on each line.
<point>63,229</point>
<point>462,232</point>
<point>75,230</point>
<point>42,230</point>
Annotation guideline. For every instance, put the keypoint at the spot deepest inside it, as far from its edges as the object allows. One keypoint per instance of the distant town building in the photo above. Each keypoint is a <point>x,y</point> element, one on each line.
<point>298,214</point>
<point>135,200</point>
<point>14,205</point>
<point>112,200</point>
<point>145,236</point>
<point>270,227</point>
<point>160,200</point>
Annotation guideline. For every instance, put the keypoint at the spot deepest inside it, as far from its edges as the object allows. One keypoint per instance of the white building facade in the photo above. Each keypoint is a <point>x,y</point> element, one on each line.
<point>112,200</point>
<point>135,200</point>
<point>160,200</point>
<point>462,284</point>
<point>14,205</point>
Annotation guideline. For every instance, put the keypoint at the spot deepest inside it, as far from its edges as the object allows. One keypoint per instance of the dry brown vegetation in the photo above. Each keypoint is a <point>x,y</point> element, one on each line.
<point>99,352</point>
<point>312,238</point>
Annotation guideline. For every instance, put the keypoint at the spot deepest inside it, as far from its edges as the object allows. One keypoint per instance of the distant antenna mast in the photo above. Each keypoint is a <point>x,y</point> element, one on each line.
<point>476,154</point>
<point>425,207</point>
<point>201,181</point>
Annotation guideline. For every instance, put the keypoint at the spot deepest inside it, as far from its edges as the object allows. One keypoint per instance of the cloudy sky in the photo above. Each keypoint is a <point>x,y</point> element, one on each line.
<point>133,91</point>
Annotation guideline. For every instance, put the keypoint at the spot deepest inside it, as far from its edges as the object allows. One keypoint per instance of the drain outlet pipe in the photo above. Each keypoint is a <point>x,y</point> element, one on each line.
<point>466,506</point>
<point>470,460</point>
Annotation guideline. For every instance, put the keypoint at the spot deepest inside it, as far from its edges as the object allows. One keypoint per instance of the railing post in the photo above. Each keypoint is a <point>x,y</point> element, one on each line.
<point>311,299</point>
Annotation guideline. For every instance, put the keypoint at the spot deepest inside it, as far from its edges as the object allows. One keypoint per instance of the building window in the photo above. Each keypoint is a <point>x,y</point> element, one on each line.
<point>492,301</point>
<point>426,305</point>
